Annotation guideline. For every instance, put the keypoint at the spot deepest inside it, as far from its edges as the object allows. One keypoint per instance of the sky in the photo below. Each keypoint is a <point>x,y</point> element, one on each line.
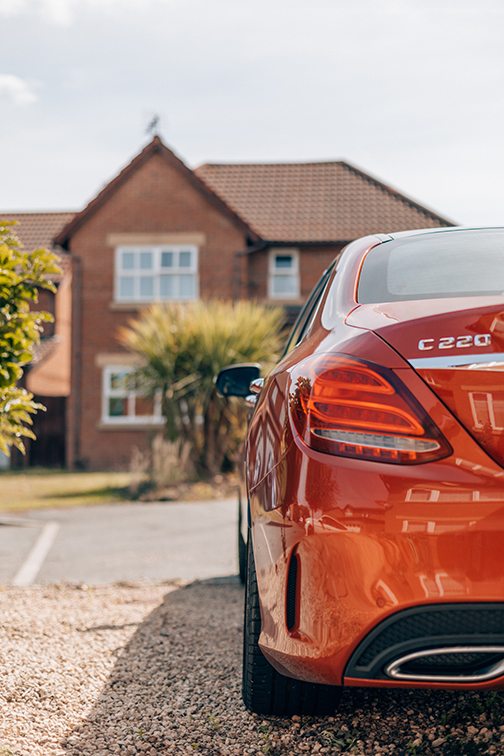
<point>410,91</point>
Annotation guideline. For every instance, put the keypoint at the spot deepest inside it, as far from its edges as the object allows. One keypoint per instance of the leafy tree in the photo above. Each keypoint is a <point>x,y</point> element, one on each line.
<point>181,347</point>
<point>21,275</point>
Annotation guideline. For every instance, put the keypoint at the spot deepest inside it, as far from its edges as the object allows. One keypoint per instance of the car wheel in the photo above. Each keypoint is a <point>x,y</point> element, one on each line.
<point>264,690</point>
<point>242,548</point>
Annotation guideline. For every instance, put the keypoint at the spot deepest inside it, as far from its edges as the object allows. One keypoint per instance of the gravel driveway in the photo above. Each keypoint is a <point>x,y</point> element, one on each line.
<point>155,669</point>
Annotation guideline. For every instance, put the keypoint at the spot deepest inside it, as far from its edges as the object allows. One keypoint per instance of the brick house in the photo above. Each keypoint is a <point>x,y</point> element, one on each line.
<point>160,231</point>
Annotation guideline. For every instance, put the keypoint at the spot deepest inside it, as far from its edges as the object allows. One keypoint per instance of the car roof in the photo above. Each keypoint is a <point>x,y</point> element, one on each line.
<point>445,230</point>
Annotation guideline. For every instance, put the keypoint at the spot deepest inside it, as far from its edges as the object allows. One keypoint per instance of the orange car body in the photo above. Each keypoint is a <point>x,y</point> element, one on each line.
<point>391,560</point>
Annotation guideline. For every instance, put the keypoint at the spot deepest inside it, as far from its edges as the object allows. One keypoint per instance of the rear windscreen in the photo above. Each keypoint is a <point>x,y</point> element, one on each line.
<point>434,266</point>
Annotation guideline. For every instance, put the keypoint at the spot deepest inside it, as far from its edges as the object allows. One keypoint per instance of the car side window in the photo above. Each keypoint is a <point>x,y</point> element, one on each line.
<point>305,317</point>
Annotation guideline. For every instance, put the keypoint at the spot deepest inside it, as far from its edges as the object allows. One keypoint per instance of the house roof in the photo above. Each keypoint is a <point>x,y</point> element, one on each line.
<point>156,146</point>
<point>36,230</point>
<point>305,202</point>
<point>285,202</point>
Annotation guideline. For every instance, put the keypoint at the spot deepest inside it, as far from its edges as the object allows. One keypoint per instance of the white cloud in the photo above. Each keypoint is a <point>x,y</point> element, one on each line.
<point>11,7</point>
<point>400,8</point>
<point>62,12</point>
<point>56,11</point>
<point>17,89</point>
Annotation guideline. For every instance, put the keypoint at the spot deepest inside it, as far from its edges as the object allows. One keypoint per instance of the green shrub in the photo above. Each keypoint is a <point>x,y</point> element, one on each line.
<point>21,275</point>
<point>181,348</point>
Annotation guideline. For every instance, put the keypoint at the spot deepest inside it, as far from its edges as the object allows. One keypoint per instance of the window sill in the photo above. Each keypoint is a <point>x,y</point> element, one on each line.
<point>286,300</point>
<point>136,306</point>
<point>111,426</point>
<point>129,306</point>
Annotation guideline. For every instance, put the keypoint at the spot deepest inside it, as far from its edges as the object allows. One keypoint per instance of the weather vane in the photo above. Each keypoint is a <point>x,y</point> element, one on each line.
<point>152,128</point>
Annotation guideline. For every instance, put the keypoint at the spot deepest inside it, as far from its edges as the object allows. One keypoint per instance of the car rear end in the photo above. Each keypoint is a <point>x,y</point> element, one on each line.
<point>379,532</point>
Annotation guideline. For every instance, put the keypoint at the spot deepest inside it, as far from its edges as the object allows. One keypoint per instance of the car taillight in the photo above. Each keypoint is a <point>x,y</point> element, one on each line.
<point>351,407</point>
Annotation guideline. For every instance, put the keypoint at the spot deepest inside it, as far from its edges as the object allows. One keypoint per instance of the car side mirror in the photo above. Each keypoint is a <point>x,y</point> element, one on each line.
<point>235,380</point>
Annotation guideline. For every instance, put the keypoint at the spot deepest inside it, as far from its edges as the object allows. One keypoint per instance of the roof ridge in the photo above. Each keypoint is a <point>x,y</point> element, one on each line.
<point>4,213</point>
<point>395,193</point>
<point>276,163</point>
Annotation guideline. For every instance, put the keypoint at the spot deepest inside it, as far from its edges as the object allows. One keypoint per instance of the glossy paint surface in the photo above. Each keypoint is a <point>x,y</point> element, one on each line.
<point>458,350</point>
<point>372,538</point>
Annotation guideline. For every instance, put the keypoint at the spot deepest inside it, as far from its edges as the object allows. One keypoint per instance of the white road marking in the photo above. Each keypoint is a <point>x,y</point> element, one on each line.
<point>35,559</point>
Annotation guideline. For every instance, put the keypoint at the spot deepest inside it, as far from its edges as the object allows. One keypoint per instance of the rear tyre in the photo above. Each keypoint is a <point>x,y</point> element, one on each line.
<point>264,690</point>
<point>242,548</point>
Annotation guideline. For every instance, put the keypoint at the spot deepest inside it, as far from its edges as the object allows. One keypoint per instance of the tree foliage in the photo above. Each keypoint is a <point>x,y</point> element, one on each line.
<point>21,275</point>
<point>181,347</point>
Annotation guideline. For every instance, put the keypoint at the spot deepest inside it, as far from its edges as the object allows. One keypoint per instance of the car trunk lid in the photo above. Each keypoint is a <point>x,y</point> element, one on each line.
<point>457,346</point>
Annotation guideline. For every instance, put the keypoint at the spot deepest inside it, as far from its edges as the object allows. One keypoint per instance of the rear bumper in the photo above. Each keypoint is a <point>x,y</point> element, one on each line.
<point>452,645</point>
<point>372,552</point>
<point>497,684</point>
<point>441,643</point>
<point>389,577</point>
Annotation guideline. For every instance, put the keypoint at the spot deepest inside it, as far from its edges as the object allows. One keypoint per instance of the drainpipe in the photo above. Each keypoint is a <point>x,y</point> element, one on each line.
<point>257,247</point>
<point>76,363</point>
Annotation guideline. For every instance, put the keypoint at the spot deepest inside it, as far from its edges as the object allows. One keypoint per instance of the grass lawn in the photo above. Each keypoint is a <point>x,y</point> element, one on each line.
<point>33,488</point>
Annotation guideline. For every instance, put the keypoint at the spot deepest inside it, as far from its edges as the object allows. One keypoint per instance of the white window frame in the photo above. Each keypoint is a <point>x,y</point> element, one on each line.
<point>274,272</point>
<point>156,272</point>
<point>130,396</point>
<point>490,407</point>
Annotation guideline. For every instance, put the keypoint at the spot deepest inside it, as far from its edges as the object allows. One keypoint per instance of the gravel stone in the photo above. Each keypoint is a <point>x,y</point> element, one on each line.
<point>137,669</point>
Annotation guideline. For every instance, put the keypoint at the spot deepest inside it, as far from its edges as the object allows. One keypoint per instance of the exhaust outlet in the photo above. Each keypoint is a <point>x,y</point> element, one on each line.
<point>452,664</point>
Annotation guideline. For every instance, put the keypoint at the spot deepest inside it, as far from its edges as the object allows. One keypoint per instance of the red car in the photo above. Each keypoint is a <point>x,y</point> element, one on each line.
<point>373,502</point>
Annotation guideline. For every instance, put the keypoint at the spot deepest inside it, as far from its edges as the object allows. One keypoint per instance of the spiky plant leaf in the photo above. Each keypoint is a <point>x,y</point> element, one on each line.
<point>181,348</point>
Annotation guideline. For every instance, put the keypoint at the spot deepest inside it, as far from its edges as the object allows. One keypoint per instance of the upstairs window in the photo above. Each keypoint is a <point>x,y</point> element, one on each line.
<point>161,273</point>
<point>121,404</point>
<point>284,274</point>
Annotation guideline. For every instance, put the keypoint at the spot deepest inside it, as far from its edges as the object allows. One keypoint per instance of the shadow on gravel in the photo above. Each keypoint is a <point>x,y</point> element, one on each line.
<point>175,689</point>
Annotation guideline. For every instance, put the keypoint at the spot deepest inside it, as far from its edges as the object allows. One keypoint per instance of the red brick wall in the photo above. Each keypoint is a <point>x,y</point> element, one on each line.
<point>313,260</point>
<point>257,275</point>
<point>156,198</point>
<point>45,303</point>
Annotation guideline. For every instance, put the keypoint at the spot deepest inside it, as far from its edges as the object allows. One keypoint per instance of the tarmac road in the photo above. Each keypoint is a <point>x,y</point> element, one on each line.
<point>98,545</point>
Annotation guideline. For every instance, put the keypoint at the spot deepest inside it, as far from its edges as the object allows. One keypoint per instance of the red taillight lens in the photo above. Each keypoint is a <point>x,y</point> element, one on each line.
<point>346,406</point>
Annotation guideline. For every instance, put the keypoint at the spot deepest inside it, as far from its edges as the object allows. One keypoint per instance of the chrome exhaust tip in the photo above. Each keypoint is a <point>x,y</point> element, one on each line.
<point>458,664</point>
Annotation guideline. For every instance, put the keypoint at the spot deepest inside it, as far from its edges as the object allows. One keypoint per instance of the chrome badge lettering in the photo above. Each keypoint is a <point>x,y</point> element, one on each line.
<point>455,342</point>
<point>425,344</point>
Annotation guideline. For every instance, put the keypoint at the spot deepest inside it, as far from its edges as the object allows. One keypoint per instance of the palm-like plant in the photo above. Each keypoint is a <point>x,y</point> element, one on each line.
<point>181,348</point>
